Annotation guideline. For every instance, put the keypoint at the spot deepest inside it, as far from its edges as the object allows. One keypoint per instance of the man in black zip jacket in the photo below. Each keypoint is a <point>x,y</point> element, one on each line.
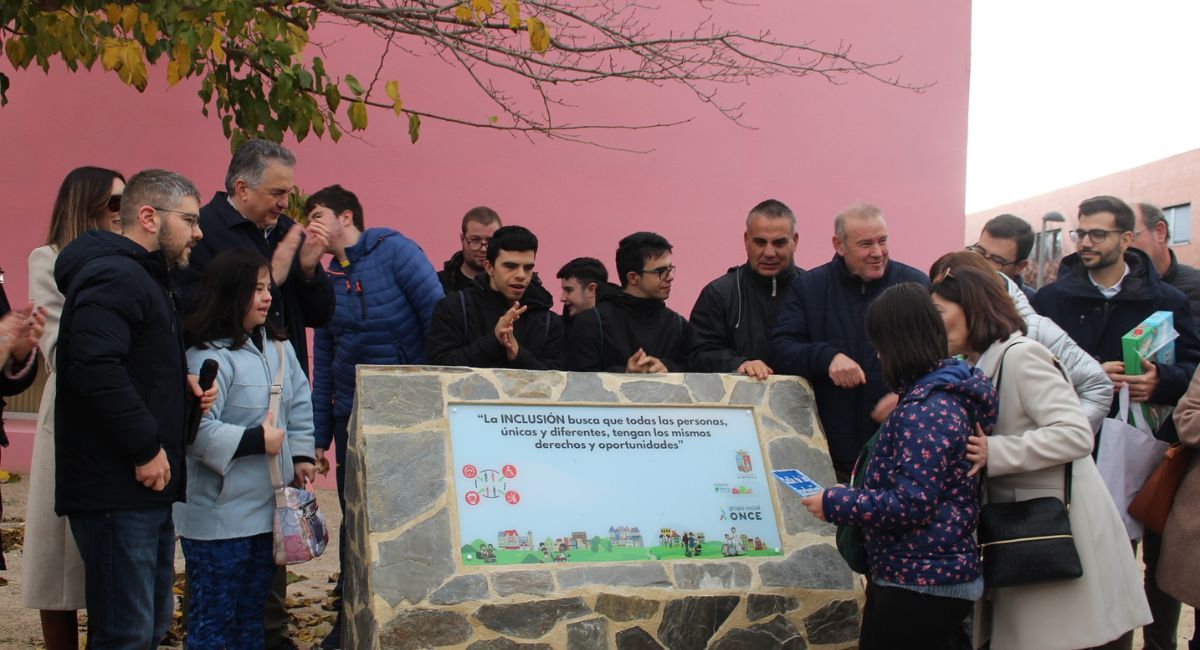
<point>1102,291</point>
<point>821,333</point>
<point>734,315</point>
<point>503,320</point>
<point>123,405</point>
<point>634,330</point>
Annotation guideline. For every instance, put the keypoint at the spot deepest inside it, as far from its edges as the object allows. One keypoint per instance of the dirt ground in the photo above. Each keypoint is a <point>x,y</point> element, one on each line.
<point>308,594</point>
<point>309,606</point>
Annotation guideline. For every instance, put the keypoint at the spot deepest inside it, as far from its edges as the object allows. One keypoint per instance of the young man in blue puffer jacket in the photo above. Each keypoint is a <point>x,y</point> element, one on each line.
<point>385,290</point>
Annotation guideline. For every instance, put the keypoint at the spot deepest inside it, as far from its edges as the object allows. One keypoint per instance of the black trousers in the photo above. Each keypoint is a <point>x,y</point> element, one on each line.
<point>900,619</point>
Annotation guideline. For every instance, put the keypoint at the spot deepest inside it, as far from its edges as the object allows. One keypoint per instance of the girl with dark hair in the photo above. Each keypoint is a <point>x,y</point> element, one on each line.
<point>1041,433</point>
<point>225,525</point>
<point>52,573</point>
<point>919,499</point>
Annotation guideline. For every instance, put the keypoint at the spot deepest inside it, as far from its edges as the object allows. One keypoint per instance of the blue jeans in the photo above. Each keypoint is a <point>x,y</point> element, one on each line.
<point>129,566</point>
<point>229,580</point>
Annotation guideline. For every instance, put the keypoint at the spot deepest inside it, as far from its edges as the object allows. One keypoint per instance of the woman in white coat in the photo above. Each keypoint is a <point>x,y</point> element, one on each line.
<point>52,572</point>
<point>1041,428</point>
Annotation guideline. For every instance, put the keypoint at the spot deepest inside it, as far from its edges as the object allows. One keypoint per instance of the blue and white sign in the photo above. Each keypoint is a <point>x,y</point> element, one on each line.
<point>550,483</point>
<point>798,481</point>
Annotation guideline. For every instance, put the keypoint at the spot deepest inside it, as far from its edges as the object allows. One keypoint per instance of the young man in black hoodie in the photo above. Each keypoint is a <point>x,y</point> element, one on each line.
<point>503,320</point>
<point>583,279</point>
<point>733,317</point>
<point>123,405</point>
<point>634,330</point>
<point>478,227</point>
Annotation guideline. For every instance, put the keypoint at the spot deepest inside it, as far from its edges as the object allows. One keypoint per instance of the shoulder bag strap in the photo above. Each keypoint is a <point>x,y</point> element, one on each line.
<point>1067,467</point>
<point>273,406</point>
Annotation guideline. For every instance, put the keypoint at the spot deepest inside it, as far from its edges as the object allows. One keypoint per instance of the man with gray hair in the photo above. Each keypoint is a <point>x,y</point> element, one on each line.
<point>821,333</point>
<point>1152,236</point>
<point>249,215</point>
<point>734,315</point>
<point>123,407</point>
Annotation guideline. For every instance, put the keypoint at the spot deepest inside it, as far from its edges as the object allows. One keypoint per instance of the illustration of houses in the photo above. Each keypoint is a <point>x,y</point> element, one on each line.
<point>625,536</point>
<point>511,540</point>
<point>579,539</point>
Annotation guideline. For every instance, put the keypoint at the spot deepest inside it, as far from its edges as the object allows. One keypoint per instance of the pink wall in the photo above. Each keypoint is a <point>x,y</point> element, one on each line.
<point>817,147</point>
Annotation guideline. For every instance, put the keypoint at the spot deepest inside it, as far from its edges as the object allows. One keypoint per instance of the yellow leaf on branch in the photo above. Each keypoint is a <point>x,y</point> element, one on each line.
<point>129,15</point>
<point>462,13</point>
<point>173,75</point>
<point>484,7</point>
<point>110,52</point>
<point>149,29</point>
<point>112,13</point>
<point>183,54</point>
<point>392,88</point>
<point>218,52</point>
<point>514,12</point>
<point>539,36</point>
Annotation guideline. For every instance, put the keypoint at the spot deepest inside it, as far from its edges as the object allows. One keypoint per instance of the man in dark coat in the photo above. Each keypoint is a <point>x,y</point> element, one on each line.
<point>478,226</point>
<point>249,215</point>
<point>503,320</point>
<point>821,332</point>
<point>1152,236</point>
<point>1104,290</point>
<point>734,315</point>
<point>582,280</point>
<point>634,330</point>
<point>123,405</point>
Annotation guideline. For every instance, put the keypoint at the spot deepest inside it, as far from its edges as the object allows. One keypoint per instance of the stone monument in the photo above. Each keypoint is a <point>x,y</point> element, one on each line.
<point>409,583</point>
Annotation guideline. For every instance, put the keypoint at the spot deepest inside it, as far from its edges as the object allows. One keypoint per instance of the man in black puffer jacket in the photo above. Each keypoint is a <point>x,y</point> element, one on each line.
<point>634,330</point>
<point>123,405</point>
<point>821,332</point>
<point>503,320</point>
<point>734,315</point>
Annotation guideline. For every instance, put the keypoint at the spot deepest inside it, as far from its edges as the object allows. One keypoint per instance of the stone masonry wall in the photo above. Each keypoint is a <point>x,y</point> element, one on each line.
<point>406,588</point>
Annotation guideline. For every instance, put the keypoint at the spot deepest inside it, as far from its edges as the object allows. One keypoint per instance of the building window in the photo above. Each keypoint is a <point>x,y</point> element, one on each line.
<point>1179,218</point>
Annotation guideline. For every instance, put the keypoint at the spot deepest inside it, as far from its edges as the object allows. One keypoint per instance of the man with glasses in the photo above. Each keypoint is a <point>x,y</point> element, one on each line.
<point>503,320</point>
<point>478,226</point>
<point>250,215</point>
<point>734,315</point>
<point>821,332</point>
<point>123,406</point>
<point>1005,243</point>
<point>1104,290</point>
<point>1152,236</point>
<point>633,330</point>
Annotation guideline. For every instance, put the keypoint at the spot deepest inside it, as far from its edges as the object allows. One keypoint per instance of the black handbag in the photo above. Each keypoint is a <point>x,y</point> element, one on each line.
<point>1027,542</point>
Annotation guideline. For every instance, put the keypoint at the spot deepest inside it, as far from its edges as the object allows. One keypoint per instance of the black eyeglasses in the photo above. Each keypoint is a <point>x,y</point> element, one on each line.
<point>662,271</point>
<point>191,218</point>
<point>477,243</point>
<point>1097,235</point>
<point>114,203</point>
<point>994,259</point>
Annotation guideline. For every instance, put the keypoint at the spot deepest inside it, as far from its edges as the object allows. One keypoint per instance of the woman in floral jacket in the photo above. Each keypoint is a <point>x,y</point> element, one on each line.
<point>920,499</point>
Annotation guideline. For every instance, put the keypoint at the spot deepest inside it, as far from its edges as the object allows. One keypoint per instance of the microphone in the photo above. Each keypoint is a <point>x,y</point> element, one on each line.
<point>208,374</point>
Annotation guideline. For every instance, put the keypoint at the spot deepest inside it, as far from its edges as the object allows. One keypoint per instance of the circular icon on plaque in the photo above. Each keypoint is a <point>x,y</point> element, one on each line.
<point>509,471</point>
<point>512,497</point>
<point>472,498</point>
<point>469,471</point>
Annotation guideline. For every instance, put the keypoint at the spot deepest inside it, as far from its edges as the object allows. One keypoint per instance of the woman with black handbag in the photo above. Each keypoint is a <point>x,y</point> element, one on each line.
<point>1081,586</point>
<point>919,498</point>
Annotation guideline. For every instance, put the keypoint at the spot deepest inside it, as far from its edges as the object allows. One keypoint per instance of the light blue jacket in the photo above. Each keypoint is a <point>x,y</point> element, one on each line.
<point>231,497</point>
